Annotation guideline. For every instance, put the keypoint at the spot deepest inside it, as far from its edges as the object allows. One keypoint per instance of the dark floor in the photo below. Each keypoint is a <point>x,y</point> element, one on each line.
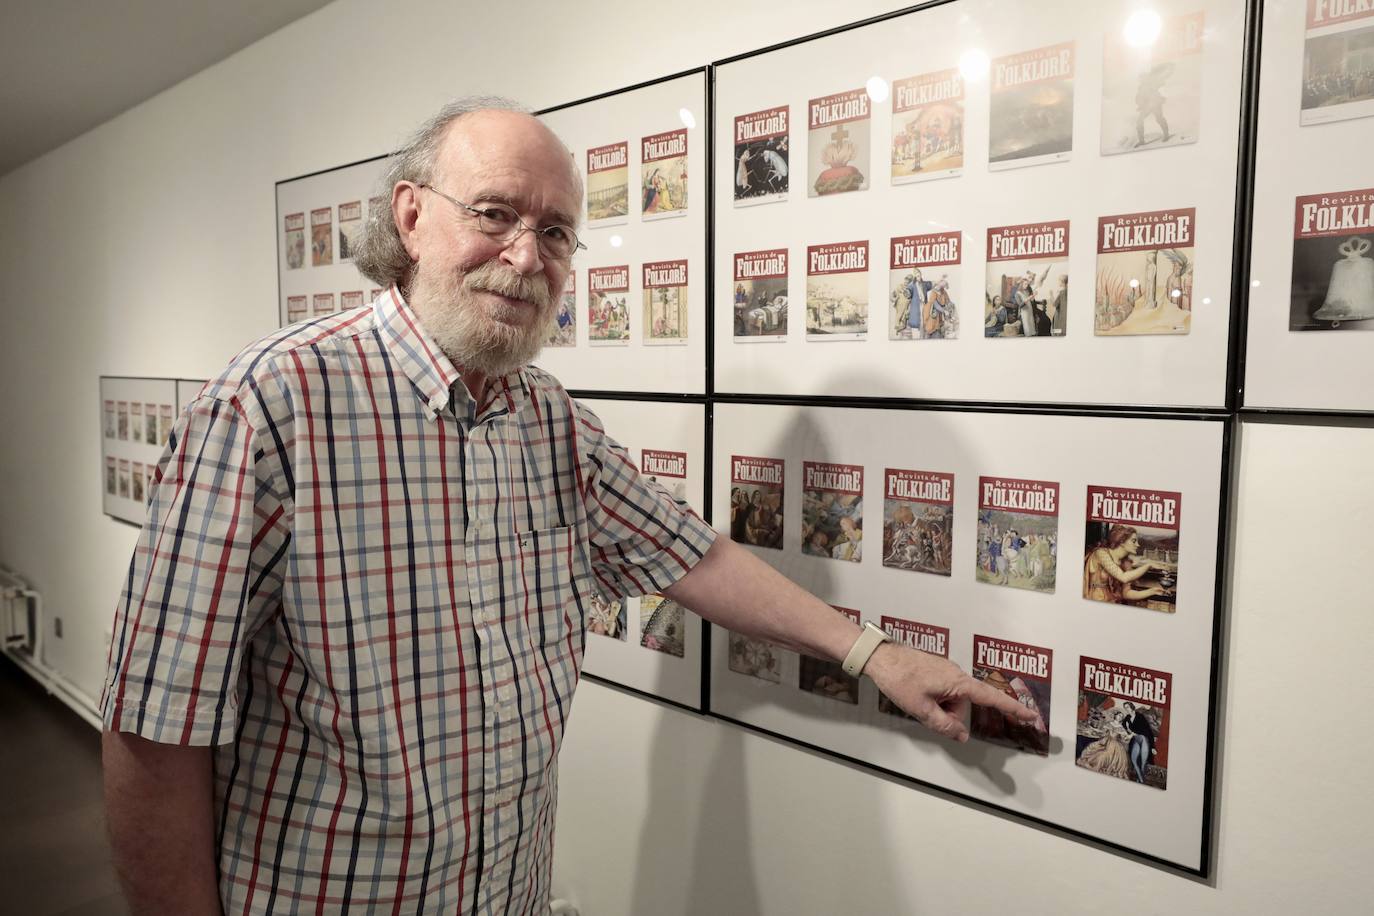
<point>54,858</point>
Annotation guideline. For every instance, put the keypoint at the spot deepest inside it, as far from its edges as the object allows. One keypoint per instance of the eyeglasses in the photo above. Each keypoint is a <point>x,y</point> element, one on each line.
<point>502,224</point>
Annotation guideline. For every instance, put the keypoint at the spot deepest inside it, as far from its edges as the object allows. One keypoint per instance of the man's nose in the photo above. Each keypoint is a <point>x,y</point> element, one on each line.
<point>522,252</point>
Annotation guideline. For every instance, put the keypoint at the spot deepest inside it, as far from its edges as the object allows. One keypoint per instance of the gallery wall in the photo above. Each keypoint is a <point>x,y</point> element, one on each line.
<point>147,247</point>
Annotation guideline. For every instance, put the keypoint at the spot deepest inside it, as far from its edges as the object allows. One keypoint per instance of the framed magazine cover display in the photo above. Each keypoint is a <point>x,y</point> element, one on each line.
<point>1310,332</point>
<point>136,417</point>
<point>651,644</point>
<point>318,220</point>
<point>634,317</point>
<point>896,222</point>
<point>1070,560</point>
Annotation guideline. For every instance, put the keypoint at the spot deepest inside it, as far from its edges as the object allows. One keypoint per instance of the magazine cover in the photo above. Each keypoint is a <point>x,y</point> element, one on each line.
<point>322,237</point>
<point>839,143</point>
<point>148,482</point>
<point>832,510</point>
<point>928,127</point>
<point>665,303</point>
<point>761,159</point>
<point>1022,672</point>
<point>606,616</point>
<point>1333,271</point>
<point>135,421</point>
<point>374,292</point>
<point>1018,532</point>
<point>564,331</point>
<point>1132,547</point>
<point>1152,91</point>
<point>837,291</point>
<point>668,470</point>
<point>760,296</point>
<point>755,658</point>
<point>608,309</point>
<point>109,420</point>
<point>124,478</point>
<point>297,309</point>
<point>1031,120</point>
<point>1027,291</point>
<point>826,678</point>
<point>111,476</point>
<point>136,481</point>
<point>661,625</point>
<point>164,422</point>
<point>1123,721</point>
<point>350,227</point>
<point>663,175</point>
<point>295,240</point>
<point>122,412</point>
<point>923,292</point>
<point>608,184</point>
<point>923,637</point>
<point>756,501</point>
<point>150,424</point>
<point>323,304</point>
<point>1337,61</point>
<point>352,299</point>
<point>918,520</point>
<point>1145,273</point>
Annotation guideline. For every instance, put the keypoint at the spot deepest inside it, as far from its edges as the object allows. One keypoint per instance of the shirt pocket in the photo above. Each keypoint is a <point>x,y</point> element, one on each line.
<point>544,578</point>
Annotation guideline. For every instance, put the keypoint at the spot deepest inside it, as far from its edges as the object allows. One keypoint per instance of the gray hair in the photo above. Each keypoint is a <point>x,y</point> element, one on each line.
<point>379,253</point>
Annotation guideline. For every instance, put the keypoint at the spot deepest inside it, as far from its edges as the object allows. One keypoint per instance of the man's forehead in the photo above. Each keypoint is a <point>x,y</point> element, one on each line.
<point>512,153</point>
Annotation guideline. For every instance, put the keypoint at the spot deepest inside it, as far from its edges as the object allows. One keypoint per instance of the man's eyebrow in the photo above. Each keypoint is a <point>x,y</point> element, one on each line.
<point>555,216</point>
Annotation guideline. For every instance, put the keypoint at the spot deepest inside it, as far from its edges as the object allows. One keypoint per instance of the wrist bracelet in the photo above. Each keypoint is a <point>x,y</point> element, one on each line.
<point>868,642</point>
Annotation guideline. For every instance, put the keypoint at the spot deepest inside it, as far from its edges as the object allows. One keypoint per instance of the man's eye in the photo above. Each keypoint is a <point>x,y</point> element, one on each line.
<point>557,233</point>
<point>498,216</point>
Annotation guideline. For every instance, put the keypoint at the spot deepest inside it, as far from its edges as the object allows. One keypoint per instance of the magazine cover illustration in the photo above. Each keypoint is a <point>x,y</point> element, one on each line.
<point>1145,273</point>
<point>755,658</point>
<point>839,143</point>
<point>663,175</point>
<point>837,291</point>
<point>661,625</point>
<point>923,289</point>
<point>1123,721</point>
<point>564,330</point>
<point>297,309</point>
<point>295,240</point>
<point>608,184</point>
<point>761,157</point>
<point>608,311</point>
<point>1333,272</point>
<point>322,304</point>
<point>1027,292</point>
<point>122,412</point>
<point>924,637</point>
<point>1132,547</point>
<point>164,422</point>
<point>135,421</point>
<point>109,419</point>
<point>111,476</point>
<point>668,470</point>
<point>1338,61</point>
<point>665,303</point>
<point>150,424</point>
<point>322,237</point>
<point>1018,532</point>
<point>1152,92</point>
<point>928,127</point>
<point>136,481</point>
<point>1031,114</point>
<point>827,678</point>
<point>760,296</point>
<point>832,510</point>
<point>606,616</point>
<point>756,488</point>
<point>124,478</point>
<point>350,228</point>
<point>918,520</point>
<point>1023,673</point>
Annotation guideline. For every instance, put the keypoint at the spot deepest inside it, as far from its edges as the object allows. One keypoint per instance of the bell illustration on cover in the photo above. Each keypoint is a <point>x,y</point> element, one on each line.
<point>1350,295</point>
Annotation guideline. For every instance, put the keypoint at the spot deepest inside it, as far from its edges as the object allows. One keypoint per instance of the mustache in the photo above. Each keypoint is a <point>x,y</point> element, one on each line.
<point>504,281</point>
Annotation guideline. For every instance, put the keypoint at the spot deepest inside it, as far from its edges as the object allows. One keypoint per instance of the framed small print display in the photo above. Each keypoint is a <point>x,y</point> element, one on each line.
<point>898,226</point>
<point>319,217</point>
<point>1069,560</point>
<point>136,417</point>
<point>633,317</point>
<point>1310,332</point>
<point>651,644</point>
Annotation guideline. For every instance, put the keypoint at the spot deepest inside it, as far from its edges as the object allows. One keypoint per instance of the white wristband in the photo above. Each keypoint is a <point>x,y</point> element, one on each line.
<point>868,642</point>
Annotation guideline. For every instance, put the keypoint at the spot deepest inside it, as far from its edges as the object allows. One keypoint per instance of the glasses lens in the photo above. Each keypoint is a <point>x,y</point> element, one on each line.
<point>499,222</point>
<point>557,242</point>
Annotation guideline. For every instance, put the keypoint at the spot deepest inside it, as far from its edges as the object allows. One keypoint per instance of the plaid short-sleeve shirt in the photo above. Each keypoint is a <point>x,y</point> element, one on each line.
<point>367,592</point>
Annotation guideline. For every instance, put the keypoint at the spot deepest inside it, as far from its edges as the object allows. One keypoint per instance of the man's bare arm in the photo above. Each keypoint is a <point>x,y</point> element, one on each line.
<point>160,808</point>
<point>734,589</point>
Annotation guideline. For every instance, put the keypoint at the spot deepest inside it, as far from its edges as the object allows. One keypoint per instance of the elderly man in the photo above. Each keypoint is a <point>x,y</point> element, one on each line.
<point>352,627</point>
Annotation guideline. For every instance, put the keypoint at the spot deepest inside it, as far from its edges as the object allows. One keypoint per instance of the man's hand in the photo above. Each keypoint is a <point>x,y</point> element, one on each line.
<point>936,691</point>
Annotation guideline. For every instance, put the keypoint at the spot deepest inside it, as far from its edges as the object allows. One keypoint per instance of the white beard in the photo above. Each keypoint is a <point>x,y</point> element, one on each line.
<point>465,328</point>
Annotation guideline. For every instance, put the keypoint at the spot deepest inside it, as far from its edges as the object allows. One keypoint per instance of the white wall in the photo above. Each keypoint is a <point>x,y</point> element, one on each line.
<point>147,247</point>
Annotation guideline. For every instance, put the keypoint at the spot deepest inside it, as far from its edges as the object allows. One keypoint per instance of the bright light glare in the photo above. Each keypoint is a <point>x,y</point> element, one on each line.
<point>1206,300</point>
<point>1175,293</point>
<point>877,88</point>
<point>1254,283</point>
<point>1142,28</point>
<point>1134,283</point>
<point>689,120</point>
<point>974,64</point>
<point>616,241</point>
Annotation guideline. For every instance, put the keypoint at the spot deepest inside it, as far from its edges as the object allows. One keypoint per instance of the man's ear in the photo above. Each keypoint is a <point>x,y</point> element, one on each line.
<point>405,210</point>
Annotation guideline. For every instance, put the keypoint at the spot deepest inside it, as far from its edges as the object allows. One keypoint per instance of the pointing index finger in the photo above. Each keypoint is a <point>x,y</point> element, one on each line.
<point>984,695</point>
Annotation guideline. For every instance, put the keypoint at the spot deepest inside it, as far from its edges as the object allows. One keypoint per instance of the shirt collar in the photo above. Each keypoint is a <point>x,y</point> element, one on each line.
<point>431,372</point>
